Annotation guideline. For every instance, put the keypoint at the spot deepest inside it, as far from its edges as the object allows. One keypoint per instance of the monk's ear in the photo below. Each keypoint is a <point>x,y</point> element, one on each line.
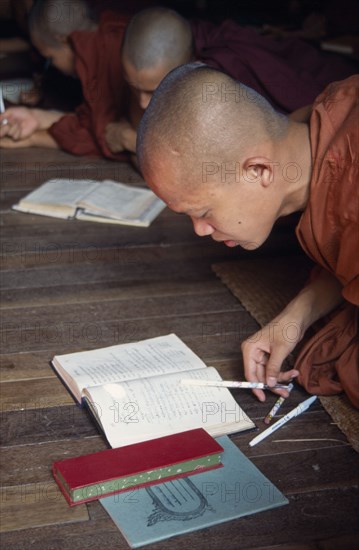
<point>259,170</point>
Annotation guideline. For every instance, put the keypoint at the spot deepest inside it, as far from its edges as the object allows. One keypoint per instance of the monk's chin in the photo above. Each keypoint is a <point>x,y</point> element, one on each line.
<point>231,244</point>
<point>243,244</point>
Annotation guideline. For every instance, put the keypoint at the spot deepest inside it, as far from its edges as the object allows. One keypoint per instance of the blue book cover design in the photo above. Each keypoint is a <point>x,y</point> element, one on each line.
<point>162,511</point>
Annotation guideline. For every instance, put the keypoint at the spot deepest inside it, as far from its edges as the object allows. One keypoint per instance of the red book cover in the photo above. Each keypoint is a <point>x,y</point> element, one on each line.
<point>93,476</point>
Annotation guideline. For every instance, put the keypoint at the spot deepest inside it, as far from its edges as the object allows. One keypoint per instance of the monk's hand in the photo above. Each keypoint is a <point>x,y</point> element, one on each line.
<point>21,123</point>
<point>265,352</point>
<point>121,136</point>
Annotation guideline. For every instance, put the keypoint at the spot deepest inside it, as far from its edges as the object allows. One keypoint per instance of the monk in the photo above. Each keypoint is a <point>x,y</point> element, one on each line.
<point>67,34</point>
<point>217,151</point>
<point>290,74</point>
<point>156,41</point>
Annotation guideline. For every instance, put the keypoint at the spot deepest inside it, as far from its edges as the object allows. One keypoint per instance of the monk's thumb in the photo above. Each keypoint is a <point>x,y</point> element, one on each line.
<point>274,365</point>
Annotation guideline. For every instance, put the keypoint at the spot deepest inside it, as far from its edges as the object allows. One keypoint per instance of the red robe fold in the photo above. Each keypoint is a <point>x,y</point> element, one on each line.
<point>98,66</point>
<point>289,73</point>
<point>329,232</point>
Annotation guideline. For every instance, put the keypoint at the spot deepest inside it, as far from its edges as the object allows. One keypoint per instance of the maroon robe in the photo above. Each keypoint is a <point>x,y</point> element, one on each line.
<point>329,232</point>
<point>98,65</point>
<point>289,73</point>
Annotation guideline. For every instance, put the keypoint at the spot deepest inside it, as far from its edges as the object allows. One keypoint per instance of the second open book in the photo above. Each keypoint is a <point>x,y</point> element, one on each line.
<point>134,390</point>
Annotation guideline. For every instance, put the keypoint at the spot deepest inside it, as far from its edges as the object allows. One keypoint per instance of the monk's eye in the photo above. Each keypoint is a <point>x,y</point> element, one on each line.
<point>204,215</point>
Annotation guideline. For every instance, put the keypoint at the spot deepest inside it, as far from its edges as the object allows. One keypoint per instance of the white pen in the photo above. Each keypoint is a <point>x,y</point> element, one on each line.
<point>292,414</point>
<point>2,108</point>
<point>231,384</point>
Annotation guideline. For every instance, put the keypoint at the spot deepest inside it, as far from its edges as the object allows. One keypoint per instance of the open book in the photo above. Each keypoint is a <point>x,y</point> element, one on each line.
<point>100,201</point>
<point>135,392</point>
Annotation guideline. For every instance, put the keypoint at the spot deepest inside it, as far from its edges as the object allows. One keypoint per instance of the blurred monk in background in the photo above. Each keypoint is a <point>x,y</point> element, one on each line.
<point>68,34</point>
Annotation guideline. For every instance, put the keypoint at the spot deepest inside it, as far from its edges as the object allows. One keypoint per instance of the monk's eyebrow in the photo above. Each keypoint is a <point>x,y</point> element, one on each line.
<point>179,212</point>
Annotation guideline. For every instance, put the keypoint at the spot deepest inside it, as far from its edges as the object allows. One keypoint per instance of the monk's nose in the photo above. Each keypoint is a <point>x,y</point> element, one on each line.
<point>145,100</point>
<point>201,227</point>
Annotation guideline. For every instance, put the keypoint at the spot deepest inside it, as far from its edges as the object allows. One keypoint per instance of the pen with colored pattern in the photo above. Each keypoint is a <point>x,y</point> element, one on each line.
<point>277,405</point>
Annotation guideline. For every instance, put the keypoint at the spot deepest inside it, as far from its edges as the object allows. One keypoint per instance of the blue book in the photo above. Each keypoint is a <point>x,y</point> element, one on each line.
<point>156,513</point>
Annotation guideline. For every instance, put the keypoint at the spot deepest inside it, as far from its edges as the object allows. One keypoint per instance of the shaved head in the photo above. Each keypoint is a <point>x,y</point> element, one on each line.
<point>51,19</point>
<point>158,36</point>
<point>199,114</point>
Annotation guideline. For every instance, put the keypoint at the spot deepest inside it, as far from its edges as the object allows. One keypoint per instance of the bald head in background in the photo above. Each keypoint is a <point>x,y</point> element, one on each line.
<point>209,147</point>
<point>156,41</point>
<point>51,22</point>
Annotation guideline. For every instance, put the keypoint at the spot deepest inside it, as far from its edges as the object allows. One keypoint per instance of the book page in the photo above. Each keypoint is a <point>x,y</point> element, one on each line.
<point>140,410</point>
<point>59,192</point>
<point>150,357</point>
<point>120,201</point>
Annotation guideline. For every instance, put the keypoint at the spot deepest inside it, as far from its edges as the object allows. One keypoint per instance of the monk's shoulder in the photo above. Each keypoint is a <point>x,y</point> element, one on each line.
<point>338,100</point>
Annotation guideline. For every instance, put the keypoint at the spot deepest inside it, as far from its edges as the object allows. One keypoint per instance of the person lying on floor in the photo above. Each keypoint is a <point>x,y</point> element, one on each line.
<point>67,34</point>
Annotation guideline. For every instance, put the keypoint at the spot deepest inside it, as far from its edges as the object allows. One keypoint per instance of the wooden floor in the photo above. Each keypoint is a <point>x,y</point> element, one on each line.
<point>69,286</point>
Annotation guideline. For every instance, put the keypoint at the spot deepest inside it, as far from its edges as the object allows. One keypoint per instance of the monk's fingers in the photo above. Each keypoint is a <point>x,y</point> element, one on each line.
<point>288,375</point>
<point>14,132</point>
<point>5,128</point>
<point>257,375</point>
<point>10,129</point>
<point>262,358</point>
<point>285,378</point>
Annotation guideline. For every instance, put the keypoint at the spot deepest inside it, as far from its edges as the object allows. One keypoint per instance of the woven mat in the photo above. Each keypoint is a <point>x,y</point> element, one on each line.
<point>264,286</point>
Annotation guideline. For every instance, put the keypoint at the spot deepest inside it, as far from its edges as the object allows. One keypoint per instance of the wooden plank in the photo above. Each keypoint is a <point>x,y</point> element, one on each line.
<point>118,242</point>
<point>36,505</point>
<point>76,536</point>
<point>105,292</point>
<point>346,542</point>
<point>25,464</point>
<point>128,264</point>
<point>35,394</point>
<point>22,251</point>
<point>31,170</point>
<point>25,366</point>
<point>334,465</point>
<point>71,335</point>
<point>309,517</point>
<point>123,309</point>
<point>8,198</point>
<point>66,231</point>
<point>39,425</point>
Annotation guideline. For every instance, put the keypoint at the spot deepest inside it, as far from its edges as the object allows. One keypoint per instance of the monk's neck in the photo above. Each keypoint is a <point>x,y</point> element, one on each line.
<point>297,168</point>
